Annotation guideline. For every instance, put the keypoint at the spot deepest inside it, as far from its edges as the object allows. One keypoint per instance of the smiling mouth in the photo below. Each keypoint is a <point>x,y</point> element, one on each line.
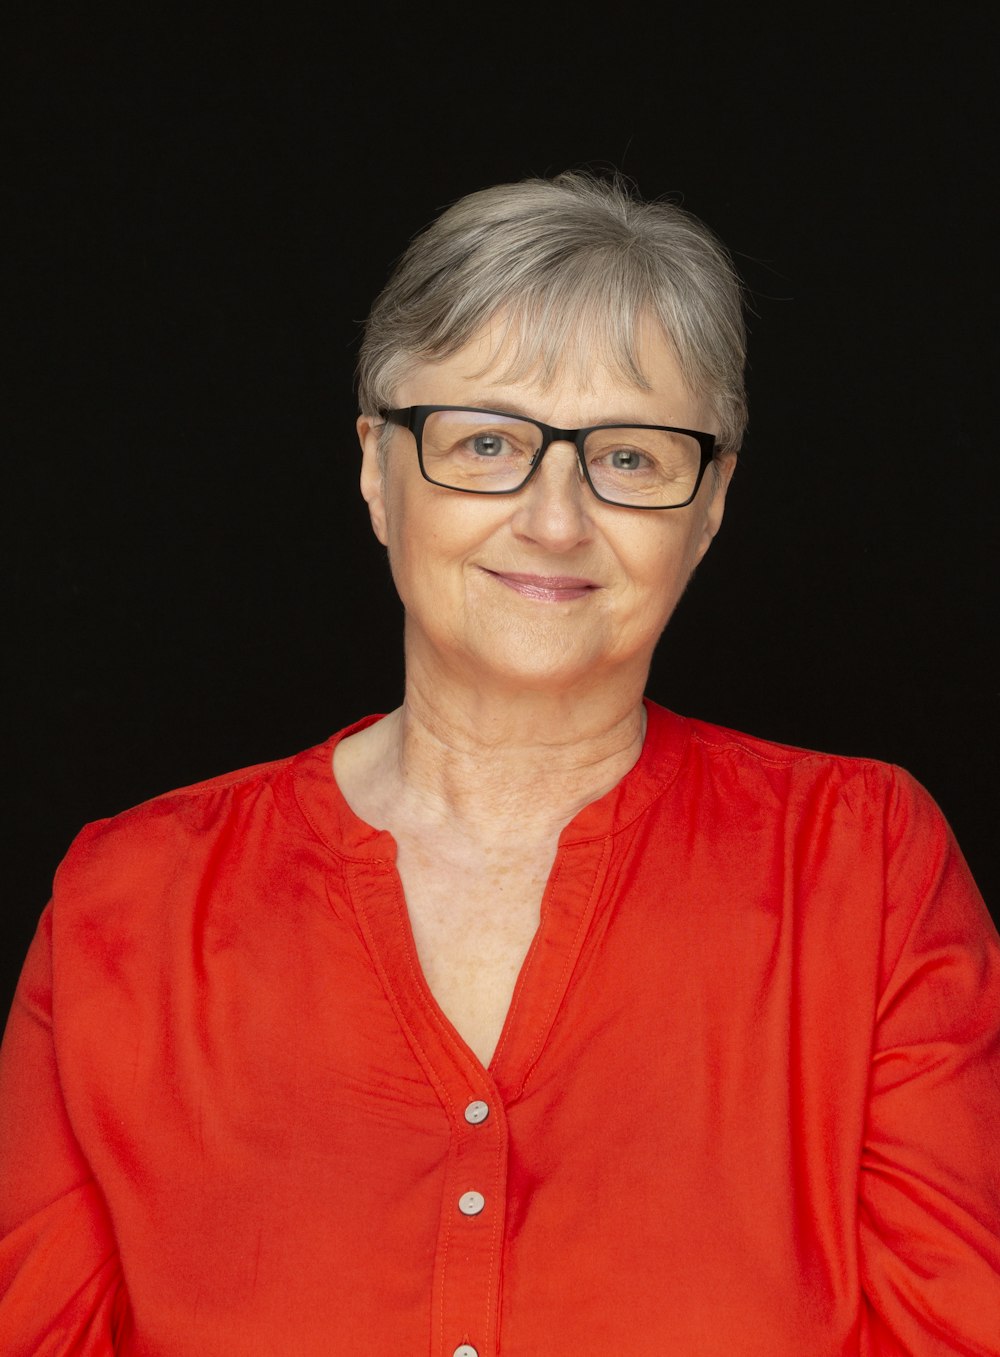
<point>545,588</point>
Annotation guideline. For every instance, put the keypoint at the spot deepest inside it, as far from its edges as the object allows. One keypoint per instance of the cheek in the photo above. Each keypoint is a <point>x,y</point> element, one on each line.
<point>660,574</point>
<point>426,549</point>
<point>664,560</point>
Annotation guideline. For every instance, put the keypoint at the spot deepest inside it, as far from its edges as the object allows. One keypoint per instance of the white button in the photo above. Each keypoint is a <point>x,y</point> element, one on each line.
<point>471,1203</point>
<point>476,1112</point>
<point>465,1350</point>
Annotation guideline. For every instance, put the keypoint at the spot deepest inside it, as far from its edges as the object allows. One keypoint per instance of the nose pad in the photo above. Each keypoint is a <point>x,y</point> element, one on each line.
<point>544,451</point>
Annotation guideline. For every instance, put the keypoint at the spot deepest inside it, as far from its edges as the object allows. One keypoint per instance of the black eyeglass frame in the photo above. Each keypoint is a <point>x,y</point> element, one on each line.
<point>414,417</point>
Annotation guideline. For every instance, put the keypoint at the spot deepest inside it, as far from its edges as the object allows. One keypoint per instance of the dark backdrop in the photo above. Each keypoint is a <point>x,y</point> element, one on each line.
<point>203,209</point>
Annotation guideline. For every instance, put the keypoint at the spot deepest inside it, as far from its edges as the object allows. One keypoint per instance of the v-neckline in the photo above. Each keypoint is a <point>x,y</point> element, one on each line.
<point>568,903</point>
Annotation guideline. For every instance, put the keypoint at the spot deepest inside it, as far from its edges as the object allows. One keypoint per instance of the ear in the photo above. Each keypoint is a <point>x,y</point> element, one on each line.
<point>721,473</point>
<point>372,477</point>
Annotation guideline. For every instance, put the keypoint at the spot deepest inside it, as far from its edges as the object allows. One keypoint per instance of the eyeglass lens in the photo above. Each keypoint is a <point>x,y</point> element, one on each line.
<point>469,450</point>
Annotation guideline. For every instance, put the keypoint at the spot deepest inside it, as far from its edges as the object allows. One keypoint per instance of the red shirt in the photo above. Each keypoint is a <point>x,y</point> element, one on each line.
<point>745,1102</point>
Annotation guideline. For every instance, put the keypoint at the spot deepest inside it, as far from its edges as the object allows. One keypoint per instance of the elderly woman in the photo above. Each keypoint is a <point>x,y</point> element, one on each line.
<point>530,1018</point>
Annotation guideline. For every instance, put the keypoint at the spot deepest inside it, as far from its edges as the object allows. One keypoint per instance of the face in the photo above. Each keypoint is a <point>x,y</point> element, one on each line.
<point>549,587</point>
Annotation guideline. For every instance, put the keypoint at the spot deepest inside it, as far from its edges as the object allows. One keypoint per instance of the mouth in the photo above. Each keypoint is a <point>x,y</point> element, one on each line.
<point>545,588</point>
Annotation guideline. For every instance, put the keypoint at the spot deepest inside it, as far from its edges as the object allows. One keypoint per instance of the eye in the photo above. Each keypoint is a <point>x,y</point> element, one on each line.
<point>626,459</point>
<point>488,445</point>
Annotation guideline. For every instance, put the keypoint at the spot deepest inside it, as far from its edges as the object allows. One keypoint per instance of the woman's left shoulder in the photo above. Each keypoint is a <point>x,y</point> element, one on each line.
<point>852,841</point>
<point>865,782</point>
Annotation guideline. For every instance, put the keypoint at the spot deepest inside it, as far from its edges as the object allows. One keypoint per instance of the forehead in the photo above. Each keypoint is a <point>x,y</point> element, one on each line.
<point>589,381</point>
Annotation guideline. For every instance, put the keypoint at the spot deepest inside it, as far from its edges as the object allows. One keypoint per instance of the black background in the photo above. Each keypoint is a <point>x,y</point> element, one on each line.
<point>203,208</point>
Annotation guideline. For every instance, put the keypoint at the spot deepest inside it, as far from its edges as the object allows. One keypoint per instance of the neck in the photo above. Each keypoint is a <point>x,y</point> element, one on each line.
<point>487,761</point>
<point>488,765</point>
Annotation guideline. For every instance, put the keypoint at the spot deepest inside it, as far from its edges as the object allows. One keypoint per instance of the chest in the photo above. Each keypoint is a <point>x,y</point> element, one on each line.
<point>653,1176</point>
<point>473,916</point>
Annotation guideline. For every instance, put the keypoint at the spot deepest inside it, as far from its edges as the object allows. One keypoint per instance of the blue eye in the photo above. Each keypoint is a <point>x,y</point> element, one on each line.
<point>626,459</point>
<point>487,445</point>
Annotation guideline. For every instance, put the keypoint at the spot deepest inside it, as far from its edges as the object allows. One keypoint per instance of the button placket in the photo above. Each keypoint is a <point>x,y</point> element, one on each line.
<point>472,1223</point>
<point>467,1254</point>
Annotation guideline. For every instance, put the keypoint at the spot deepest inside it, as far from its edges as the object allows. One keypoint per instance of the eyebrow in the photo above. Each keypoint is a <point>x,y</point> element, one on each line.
<point>503,406</point>
<point>499,407</point>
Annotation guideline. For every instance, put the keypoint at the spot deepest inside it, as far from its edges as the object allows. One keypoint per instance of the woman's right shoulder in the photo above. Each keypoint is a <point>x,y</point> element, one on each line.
<point>182,810</point>
<point>127,862</point>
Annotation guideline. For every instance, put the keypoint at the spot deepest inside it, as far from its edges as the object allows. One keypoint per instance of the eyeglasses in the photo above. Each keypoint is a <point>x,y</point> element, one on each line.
<point>486,452</point>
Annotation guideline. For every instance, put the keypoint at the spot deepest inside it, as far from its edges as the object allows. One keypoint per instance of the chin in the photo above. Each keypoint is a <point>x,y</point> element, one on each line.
<point>539,668</point>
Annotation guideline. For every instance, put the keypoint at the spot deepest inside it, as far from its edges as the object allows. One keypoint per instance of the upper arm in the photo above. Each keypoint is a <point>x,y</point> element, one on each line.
<point>929,1187</point>
<point>61,1288</point>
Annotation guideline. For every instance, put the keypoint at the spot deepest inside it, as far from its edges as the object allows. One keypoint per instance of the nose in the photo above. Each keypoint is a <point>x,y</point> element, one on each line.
<point>553,509</point>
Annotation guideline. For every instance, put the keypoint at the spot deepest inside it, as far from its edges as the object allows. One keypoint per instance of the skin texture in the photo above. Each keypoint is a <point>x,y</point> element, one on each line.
<point>531,621</point>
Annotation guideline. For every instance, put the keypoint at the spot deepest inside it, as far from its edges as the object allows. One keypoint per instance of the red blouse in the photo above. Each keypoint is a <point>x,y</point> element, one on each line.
<point>745,1101</point>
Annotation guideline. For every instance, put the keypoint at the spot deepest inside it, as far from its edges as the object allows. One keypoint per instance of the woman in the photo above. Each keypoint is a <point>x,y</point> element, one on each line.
<point>531,1017</point>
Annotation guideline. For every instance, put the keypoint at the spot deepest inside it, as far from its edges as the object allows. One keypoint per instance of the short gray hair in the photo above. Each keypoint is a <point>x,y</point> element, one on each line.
<point>558,259</point>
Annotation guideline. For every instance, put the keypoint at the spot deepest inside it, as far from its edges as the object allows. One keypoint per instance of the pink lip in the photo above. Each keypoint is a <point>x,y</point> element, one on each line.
<point>545,588</point>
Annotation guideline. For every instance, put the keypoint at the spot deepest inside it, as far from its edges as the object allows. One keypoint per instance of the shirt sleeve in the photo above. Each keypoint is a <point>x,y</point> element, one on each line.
<point>61,1286</point>
<point>929,1185</point>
